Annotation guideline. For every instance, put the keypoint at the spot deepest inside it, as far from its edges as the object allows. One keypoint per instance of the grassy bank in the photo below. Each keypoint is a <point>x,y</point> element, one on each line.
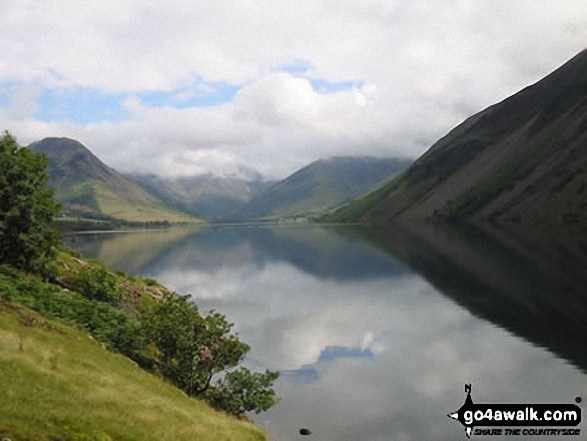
<point>58,384</point>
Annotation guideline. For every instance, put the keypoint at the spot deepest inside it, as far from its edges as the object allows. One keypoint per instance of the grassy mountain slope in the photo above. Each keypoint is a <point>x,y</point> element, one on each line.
<point>58,384</point>
<point>322,186</point>
<point>89,188</point>
<point>521,160</point>
<point>207,196</point>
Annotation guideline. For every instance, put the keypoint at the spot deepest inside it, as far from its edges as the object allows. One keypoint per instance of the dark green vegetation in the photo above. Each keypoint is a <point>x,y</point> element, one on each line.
<point>321,186</point>
<point>157,329</point>
<point>27,239</point>
<point>89,189</point>
<point>206,196</point>
<point>522,160</point>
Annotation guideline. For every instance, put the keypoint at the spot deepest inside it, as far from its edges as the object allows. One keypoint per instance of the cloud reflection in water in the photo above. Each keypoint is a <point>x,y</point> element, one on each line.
<point>369,350</point>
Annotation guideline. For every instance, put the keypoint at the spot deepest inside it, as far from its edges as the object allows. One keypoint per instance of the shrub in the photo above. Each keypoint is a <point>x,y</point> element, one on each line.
<point>243,391</point>
<point>96,282</point>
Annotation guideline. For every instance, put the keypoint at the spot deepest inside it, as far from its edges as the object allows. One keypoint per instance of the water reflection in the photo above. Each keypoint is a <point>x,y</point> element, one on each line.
<point>376,332</point>
<point>531,283</point>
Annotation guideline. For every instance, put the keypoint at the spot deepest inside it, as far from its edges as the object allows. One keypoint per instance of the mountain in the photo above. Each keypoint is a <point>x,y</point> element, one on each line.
<point>87,187</point>
<point>321,186</point>
<point>207,196</point>
<point>521,160</point>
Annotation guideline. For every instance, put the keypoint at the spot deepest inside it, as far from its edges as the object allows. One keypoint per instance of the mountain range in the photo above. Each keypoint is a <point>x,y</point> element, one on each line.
<point>90,189</point>
<point>522,160</point>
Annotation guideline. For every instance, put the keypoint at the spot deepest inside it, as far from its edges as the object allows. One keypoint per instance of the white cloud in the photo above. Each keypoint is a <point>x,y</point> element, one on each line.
<point>424,65</point>
<point>23,101</point>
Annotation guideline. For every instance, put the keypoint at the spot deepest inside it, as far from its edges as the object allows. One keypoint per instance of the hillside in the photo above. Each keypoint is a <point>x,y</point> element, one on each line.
<point>521,160</point>
<point>87,187</point>
<point>321,186</point>
<point>57,383</point>
<point>207,196</point>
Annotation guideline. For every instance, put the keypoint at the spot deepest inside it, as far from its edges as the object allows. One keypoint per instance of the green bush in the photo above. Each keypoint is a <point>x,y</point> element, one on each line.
<point>27,238</point>
<point>97,283</point>
<point>243,391</point>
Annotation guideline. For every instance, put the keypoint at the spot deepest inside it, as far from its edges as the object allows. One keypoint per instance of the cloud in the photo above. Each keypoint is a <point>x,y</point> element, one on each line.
<point>237,84</point>
<point>23,101</point>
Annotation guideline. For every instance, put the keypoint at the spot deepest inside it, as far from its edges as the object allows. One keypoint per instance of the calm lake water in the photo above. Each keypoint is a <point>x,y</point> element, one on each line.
<point>376,333</point>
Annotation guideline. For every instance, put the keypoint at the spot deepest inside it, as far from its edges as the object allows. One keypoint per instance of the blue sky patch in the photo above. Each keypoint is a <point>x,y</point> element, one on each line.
<point>80,105</point>
<point>83,105</point>
<point>322,85</point>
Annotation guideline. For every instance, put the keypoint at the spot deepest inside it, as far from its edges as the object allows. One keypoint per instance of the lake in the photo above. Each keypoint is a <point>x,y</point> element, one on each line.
<point>376,333</point>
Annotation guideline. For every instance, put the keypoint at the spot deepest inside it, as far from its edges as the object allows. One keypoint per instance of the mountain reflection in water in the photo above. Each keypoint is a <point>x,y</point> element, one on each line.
<point>376,332</point>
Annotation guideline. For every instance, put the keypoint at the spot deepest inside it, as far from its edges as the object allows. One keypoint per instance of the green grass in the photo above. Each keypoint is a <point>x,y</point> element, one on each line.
<point>141,207</point>
<point>57,384</point>
<point>353,211</point>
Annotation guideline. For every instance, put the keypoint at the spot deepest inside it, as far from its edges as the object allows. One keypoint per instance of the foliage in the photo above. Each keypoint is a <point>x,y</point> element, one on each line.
<point>96,282</point>
<point>105,323</point>
<point>27,207</point>
<point>243,391</point>
<point>193,348</point>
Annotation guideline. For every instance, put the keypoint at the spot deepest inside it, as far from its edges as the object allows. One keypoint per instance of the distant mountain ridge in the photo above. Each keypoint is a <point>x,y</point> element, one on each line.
<point>321,186</point>
<point>521,160</point>
<point>88,187</point>
<point>207,196</point>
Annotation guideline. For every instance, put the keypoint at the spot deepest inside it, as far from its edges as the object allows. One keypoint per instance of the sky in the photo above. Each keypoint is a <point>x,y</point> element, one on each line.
<point>242,87</point>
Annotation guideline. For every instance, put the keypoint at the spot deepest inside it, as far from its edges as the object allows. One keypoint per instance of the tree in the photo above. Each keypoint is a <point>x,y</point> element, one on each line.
<point>27,236</point>
<point>191,349</point>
